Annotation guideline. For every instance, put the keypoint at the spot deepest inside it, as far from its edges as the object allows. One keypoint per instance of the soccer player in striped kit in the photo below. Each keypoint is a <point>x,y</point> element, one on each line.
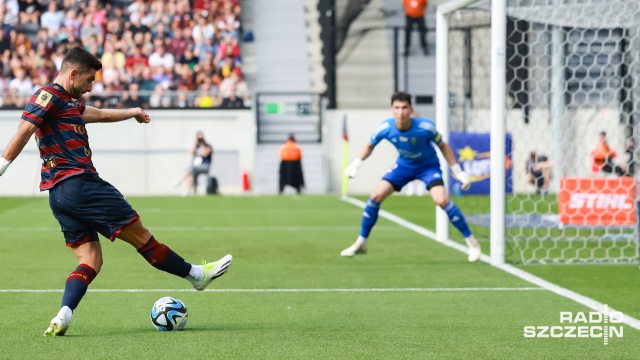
<point>83,203</point>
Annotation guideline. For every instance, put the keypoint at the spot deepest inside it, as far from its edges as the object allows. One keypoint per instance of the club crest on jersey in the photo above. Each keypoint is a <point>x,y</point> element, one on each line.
<point>414,141</point>
<point>87,151</point>
<point>43,99</point>
<point>403,139</point>
<point>50,162</point>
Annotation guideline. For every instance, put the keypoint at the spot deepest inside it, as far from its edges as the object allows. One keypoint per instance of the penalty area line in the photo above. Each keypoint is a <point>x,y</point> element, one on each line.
<point>328,290</point>
<point>547,285</point>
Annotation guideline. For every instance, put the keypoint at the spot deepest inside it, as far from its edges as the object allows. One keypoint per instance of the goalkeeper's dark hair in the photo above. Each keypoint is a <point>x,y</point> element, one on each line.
<point>401,96</point>
<point>81,59</point>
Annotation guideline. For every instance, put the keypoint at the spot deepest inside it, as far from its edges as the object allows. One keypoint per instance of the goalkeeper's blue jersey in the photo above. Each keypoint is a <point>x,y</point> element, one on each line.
<point>415,146</point>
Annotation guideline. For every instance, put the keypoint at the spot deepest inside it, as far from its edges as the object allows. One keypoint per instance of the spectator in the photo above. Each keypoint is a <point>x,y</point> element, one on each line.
<point>52,19</point>
<point>603,157</point>
<point>629,166</point>
<point>205,98</point>
<point>137,58</point>
<point>232,102</point>
<point>202,30</point>
<point>538,169</point>
<point>414,11</point>
<point>132,98</point>
<point>228,23</point>
<point>291,165</point>
<point>72,23</point>
<point>160,57</point>
<point>5,42</point>
<point>30,11</point>
<point>159,99</point>
<point>21,83</point>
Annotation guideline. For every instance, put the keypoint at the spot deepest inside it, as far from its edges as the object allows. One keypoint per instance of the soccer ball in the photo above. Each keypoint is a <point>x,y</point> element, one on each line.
<point>169,314</point>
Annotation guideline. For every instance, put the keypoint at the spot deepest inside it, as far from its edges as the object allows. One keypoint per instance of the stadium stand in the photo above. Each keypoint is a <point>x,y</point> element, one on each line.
<point>155,53</point>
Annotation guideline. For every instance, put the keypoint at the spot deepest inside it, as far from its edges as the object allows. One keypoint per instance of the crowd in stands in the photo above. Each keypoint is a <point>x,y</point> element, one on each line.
<point>155,53</point>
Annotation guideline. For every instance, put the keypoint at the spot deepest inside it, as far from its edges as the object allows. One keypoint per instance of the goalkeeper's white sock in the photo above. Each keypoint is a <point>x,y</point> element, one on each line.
<point>471,241</point>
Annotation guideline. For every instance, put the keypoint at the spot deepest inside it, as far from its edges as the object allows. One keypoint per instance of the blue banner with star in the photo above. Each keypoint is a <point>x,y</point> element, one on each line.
<point>473,152</point>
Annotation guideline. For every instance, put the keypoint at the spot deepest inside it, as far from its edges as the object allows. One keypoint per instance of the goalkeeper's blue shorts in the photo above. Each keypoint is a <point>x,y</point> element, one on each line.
<point>401,174</point>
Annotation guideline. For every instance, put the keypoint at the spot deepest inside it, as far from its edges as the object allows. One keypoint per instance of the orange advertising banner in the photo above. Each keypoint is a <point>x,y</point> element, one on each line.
<point>585,201</point>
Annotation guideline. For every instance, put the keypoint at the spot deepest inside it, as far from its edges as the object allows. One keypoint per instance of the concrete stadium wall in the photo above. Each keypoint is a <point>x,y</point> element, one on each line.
<point>147,159</point>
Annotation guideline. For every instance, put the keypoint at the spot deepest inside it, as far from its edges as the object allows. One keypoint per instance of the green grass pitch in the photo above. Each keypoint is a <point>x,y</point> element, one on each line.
<point>456,310</point>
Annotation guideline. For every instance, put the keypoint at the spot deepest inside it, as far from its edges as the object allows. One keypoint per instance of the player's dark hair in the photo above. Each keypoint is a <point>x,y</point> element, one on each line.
<point>401,96</point>
<point>82,59</point>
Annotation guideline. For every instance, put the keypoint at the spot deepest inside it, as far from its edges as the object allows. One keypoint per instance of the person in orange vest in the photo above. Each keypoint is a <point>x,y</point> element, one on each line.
<point>414,11</point>
<point>603,157</point>
<point>291,165</point>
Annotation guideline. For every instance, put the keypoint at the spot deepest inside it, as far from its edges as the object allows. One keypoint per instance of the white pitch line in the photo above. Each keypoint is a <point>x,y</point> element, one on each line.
<point>279,290</point>
<point>564,292</point>
<point>211,228</point>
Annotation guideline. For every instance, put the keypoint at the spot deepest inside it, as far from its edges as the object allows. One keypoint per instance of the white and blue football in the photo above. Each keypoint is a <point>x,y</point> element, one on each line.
<point>169,314</point>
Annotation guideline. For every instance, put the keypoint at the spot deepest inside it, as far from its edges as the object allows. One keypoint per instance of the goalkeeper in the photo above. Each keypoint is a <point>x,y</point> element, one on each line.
<point>413,137</point>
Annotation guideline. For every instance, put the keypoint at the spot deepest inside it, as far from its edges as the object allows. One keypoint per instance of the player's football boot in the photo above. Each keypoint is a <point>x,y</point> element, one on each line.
<point>60,323</point>
<point>474,249</point>
<point>212,271</point>
<point>358,248</point>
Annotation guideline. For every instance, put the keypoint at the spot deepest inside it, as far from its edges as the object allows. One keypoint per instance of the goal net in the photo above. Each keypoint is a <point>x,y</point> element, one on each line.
<point>572,83</point>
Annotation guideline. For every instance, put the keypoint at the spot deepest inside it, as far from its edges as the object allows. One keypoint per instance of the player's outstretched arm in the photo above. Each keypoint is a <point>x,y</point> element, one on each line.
<point>352,170</point>
<point>94,115</point>
<point>455,167</point>
<point>16,144</point>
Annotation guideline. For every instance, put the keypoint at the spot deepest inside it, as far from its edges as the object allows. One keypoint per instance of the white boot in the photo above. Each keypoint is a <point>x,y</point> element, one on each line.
<point>474,249</point>
<point>358,248</point>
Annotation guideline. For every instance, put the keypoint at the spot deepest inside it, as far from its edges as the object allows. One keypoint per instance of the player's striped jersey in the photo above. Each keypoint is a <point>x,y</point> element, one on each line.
<point>61,135</point>
<point>414,145</point>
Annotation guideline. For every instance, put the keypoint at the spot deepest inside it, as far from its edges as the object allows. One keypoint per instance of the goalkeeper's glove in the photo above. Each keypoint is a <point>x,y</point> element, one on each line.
<point>352,170</point>
<point>462,176</point>
<point>4,164</point>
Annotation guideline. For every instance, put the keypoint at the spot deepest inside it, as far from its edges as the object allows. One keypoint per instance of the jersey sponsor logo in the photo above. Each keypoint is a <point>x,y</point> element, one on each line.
<point>409,154</point>
<point>394,140</point>
<point>79,129</point>
<point>43,99</point>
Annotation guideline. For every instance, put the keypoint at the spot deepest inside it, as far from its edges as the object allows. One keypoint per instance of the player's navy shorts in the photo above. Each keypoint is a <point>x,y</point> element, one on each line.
<point>86,205</point>
<point>401,174</point>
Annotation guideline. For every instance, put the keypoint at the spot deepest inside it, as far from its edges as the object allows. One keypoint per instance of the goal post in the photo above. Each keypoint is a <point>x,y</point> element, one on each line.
<point>524,88</point>
<point>498,36</point>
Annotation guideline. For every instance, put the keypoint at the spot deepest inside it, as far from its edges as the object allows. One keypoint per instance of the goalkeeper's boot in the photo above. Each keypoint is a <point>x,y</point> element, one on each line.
<point>474,249</point>
<point>60,323</point>
<point>358,248</point>
<point>212,271</point>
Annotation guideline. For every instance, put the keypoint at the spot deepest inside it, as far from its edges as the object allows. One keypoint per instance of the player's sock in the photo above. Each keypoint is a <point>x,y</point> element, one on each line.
<point>76,285</point>
<point>196,273</point>
<point>161,257</point>
<point>457,219</point>
<point>369,217</point>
